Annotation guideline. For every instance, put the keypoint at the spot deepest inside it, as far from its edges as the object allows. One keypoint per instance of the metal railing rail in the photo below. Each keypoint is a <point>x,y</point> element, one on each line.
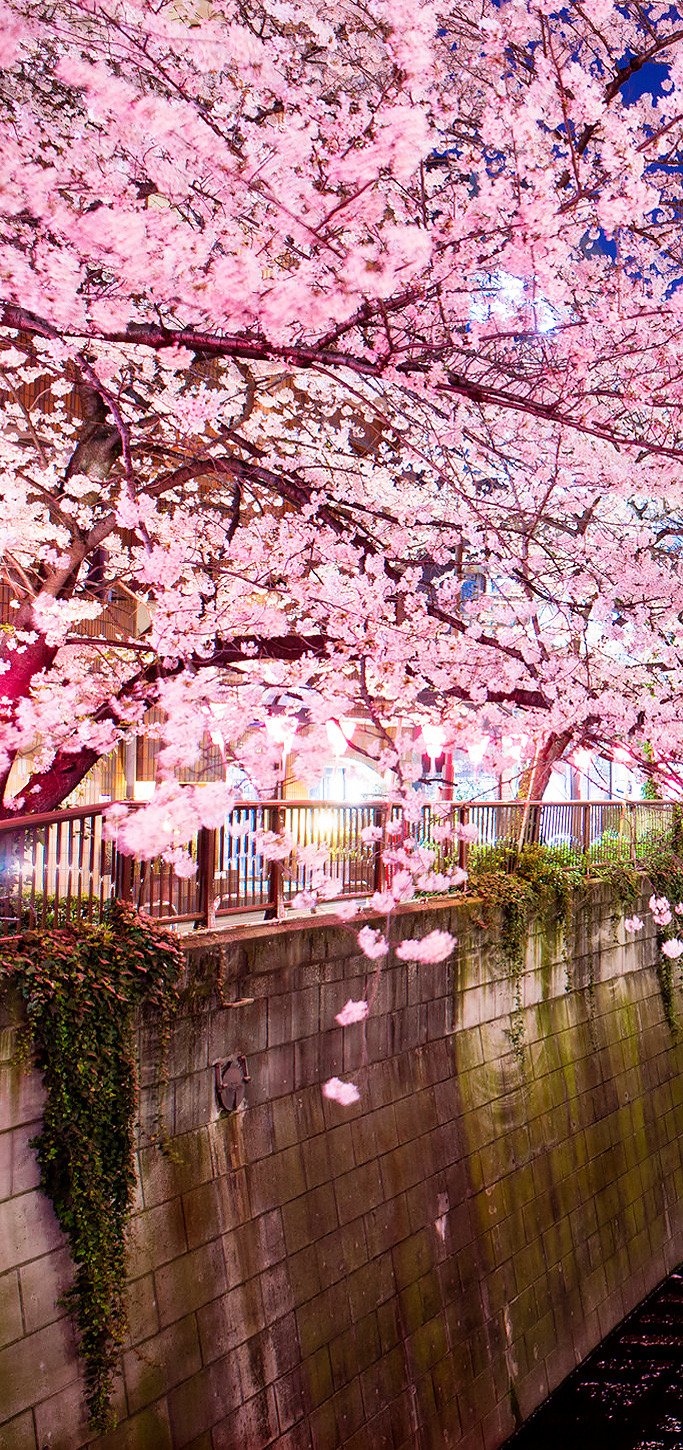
<point>61,866</point>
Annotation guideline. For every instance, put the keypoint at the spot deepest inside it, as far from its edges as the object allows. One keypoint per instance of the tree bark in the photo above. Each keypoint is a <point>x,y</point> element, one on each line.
<point>535,780</point>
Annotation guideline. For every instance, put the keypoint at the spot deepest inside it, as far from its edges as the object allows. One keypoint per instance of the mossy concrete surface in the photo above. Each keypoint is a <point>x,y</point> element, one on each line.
<point>418,1269</point>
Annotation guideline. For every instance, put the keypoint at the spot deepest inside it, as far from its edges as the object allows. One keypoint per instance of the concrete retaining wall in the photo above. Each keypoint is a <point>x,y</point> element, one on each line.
<point>414,1271</point>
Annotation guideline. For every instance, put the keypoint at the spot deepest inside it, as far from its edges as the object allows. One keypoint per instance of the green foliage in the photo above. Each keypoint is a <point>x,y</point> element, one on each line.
<point>665,872</point>
<point>81,986</point>
<point>547,878</point>
<point>651,790</point>
<point>665,977</point>
<point>513,898</point>
<point>676,831</point>
<point>516,882</point>
<point>664,868</point>
<point>527,880</point>
<point>625,883</point>
<point>37,910</point>
<point>659,862</point>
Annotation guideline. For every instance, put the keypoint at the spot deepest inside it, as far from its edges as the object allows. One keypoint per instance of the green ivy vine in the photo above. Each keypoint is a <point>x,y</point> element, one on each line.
<point>81,986</point>
<point>625,883</point>
<point>664,869</point>
<point>527,879</point>
<point>539,877</point>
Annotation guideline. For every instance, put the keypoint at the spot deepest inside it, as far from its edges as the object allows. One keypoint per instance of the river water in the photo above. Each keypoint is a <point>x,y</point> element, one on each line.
<point>628,1394</point>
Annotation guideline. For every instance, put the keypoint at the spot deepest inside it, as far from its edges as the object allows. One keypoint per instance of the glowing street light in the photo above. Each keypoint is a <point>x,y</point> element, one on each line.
<point>434,739</point>
<point>339,734</point>
<point>476,749</point>
<point>282,728</point>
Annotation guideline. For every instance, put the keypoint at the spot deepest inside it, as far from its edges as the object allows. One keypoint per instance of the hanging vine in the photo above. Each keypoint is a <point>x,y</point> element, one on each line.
<point>664,869</point>
<point>539,877</point>
<point>525,881</point>
<point>81,986</point>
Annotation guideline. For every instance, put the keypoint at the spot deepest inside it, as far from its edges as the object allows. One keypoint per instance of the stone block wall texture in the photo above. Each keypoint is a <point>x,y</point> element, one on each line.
<point>418,1270</point>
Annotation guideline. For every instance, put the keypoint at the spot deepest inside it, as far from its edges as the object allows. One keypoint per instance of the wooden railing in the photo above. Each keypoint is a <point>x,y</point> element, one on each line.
<point>55,868</point>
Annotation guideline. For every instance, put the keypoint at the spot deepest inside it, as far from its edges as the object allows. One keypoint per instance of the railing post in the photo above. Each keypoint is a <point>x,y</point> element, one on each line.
<point>12,849</point>
<point>463,820</point>
<point>275,909</point>
<point>586,825</point>
<point>379,816</point>
<point>525,818</point>
<point>123,876</point>
<point>206,878</point>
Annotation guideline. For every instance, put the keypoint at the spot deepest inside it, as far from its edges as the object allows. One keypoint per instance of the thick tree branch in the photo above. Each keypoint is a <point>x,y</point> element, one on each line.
<point>241,346</point>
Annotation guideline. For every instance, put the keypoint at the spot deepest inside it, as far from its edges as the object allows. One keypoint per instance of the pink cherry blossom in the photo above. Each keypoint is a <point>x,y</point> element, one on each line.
<point>272,846</point>
<point>372,943</point>
<point>661,910</point>
<point>181,861</point>
<point>433,881</point>
<point>672,948</point>
<point>403,884</point>
<point>434,947</point>
<point>346,910</point>
<point>312,855</point>
<point>344,1093</point>
<point>304,900</point>
<point>370,834</point>
<point>382,902</point>
<point>266,331</point>
<point>352,1012</point>
<point>442,833</point>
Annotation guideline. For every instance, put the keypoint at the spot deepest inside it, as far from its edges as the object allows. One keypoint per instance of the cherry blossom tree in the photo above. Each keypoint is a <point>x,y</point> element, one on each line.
<point>305,323</point>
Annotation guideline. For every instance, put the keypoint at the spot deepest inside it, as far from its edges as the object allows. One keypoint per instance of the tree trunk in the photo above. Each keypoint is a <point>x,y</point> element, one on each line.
<point>535,779</point>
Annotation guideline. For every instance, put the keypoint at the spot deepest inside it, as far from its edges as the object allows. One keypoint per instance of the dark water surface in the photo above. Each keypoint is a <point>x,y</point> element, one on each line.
<point>628,1394</point>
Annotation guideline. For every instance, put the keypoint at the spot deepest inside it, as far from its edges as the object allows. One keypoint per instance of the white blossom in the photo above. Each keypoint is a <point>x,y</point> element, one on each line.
<point>434,947</point>
<point>352,1012</point>
<point>341,1092</point>
<point>372,943</point>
